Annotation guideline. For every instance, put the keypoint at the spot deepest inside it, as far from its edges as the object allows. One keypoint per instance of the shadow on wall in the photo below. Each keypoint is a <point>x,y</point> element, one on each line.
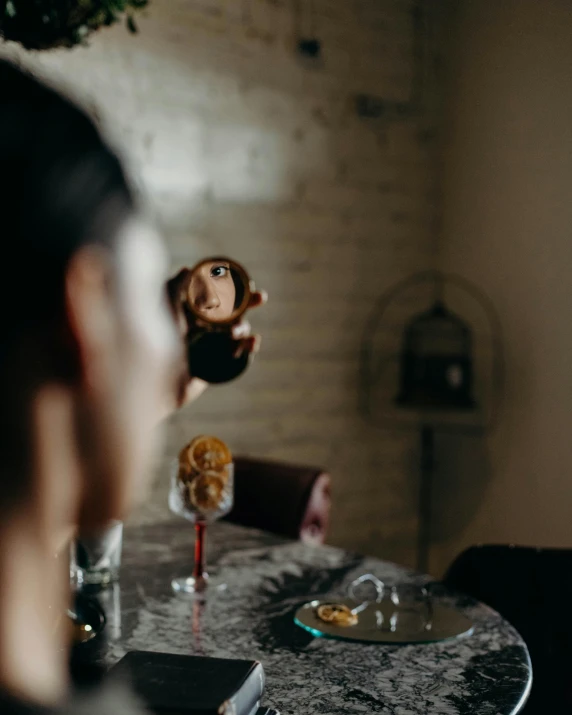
<point>463,472</point>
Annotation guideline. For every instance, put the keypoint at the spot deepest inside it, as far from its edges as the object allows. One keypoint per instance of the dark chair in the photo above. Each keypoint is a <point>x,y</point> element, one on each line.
<point>532,589</point>
<point>285,499</point>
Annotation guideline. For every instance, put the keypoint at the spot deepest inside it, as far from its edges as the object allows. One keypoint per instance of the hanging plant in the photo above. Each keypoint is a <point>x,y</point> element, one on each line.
<point>45,24</point>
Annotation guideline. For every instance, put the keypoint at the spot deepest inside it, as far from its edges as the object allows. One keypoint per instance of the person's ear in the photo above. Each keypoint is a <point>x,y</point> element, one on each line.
<point>89,315</point>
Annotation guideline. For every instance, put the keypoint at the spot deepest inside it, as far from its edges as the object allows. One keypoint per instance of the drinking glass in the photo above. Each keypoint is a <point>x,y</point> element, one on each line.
<point>208,497</point>
<point>400,606</point>
<point>96,558</point>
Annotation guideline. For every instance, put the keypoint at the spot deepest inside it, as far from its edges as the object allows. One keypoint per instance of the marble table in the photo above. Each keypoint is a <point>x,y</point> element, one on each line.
<point>268,577</point>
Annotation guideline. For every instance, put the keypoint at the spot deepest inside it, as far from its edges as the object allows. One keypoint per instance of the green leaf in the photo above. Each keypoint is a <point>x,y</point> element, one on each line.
<point>43,24</point>
<point>131,25</point>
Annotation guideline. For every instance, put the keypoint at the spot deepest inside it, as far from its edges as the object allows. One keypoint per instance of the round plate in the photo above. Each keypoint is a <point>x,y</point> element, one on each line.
<point>386,623</point>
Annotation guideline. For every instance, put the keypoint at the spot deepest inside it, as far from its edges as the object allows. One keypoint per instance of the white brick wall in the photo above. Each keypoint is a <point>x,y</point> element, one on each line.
<point>246,148</point>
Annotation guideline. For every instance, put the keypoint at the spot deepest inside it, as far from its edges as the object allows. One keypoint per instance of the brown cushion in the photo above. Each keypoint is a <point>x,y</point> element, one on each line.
<point>282,498</point>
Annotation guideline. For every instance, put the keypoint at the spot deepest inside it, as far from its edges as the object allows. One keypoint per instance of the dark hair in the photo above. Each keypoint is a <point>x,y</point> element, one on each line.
<point>63,188</point>
<point>238,288</point>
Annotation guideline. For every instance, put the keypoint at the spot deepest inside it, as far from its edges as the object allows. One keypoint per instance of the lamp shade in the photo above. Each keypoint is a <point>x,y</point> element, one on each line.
<point>436,362</point>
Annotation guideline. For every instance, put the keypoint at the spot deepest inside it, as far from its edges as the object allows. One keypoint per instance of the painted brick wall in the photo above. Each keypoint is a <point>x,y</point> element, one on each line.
<point>244,147</point>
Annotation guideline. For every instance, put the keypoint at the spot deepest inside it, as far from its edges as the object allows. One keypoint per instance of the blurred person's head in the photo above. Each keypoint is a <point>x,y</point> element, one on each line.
<point>87,342</point>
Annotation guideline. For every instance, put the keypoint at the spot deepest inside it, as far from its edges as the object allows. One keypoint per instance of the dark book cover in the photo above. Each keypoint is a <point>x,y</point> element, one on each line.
<point>171,684</point>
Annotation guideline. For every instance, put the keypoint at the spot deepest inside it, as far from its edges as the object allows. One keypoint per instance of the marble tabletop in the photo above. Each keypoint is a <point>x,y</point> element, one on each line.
<point>268,577</point>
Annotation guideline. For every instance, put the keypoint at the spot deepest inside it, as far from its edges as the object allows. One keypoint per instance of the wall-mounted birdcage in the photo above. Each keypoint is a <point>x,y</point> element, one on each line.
<point>437,374</point>
<point>436,369</point>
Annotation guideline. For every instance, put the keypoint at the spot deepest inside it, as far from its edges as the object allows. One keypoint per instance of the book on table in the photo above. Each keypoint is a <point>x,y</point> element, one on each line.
<point>170,684</point>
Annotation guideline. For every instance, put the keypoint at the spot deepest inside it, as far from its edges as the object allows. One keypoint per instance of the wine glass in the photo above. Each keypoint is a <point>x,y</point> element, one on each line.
<point>201,499</point>
<point>401,606</point>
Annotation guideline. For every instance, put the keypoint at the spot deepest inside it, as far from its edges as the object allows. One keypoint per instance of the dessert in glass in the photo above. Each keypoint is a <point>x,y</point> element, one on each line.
<point>201,492</point>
